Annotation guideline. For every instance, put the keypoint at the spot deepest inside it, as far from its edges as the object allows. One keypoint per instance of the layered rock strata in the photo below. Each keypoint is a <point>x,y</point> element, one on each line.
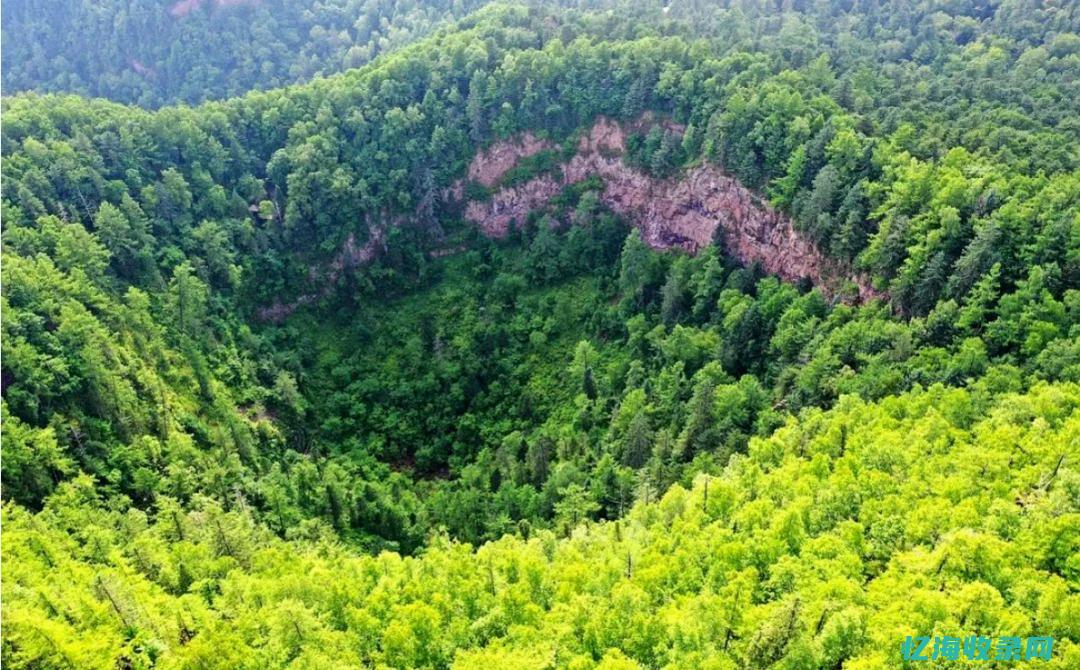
<point>683,212</point>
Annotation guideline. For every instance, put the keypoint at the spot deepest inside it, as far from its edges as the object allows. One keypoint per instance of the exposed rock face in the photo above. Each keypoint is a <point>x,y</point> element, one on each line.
<point>351,256</point>
<point>684,212</point>
<point>488,167</point>
<point>512,204</point>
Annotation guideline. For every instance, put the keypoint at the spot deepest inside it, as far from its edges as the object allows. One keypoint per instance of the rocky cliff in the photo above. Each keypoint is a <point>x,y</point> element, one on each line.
<point>684,212</point>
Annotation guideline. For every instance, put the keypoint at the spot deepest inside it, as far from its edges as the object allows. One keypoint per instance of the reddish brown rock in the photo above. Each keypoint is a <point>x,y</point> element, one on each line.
<point>684,212</point>
<point>489,166</point>
<point>511,204</point>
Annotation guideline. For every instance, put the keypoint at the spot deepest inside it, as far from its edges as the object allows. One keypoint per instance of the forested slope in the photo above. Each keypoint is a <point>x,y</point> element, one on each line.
<point>253,343</point>
<point>155,52</point>
<point>824,545</point>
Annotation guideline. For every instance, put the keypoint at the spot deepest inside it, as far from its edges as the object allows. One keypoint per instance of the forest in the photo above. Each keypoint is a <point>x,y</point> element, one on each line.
<point>155,52</point>
<point>272,398</point>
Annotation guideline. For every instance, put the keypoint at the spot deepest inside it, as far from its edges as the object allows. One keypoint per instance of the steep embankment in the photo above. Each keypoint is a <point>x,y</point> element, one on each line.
<point>683,212</point>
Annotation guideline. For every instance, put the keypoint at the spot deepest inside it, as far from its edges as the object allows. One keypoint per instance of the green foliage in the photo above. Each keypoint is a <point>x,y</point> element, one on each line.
<point>155,53</point>
<point>251,358</point>
<point>659,152</point>
<point>794,553</point>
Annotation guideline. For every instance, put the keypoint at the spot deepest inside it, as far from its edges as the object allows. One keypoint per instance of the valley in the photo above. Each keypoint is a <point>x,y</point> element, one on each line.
<point>593,335</point>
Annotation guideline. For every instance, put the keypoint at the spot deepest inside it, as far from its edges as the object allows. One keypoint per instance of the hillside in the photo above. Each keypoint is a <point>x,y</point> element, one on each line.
<point>556,338</point>
<point>791,556</point>
<point>157,52</point>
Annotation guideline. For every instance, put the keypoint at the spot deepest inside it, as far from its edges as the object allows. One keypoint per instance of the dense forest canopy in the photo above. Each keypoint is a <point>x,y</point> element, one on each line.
<point>155,52</point>
<point>790,556</point>
<point>270,400</point>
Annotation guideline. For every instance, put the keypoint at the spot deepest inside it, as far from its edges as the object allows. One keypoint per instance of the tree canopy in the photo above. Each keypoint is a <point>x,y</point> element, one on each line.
<point>269,400</point>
